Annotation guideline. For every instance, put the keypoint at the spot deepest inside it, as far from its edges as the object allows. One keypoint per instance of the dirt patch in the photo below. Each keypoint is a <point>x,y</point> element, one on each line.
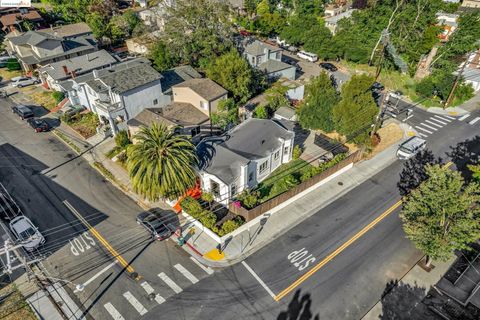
<point>14,306</point>
<point>7,75</point>
<point>338,137</point>
<point>85,124</point>
<point>43,98</point>
<point>389,135</point>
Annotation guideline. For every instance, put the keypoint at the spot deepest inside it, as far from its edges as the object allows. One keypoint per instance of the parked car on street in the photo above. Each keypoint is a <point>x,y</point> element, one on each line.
<point>8,208</point>
<point>23,81</point>
<point>23,111</point>
<point>155,225</point>
<point>312,57</point>
<point>39,125</point>
<point>328,66</point>
<point>411,147</point>
<point>26,233</point>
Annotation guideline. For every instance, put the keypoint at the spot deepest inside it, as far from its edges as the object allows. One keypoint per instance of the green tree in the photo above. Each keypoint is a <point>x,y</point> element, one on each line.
<point>442,215</point>
<point>355,113</point>
<point>98,24</point>
<point>162,56</point>
<point>320,98</point>
<point>262,112</point>
<point>263,7</point>
<point>475,170</point>
<point>208,197</point>
<point>233,73</point>
<point>227,113</point>
<point>161,164</point>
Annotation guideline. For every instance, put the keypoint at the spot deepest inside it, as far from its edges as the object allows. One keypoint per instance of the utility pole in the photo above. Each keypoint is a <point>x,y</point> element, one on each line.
<point>379,118</point>
<point>455,84</point>
<point>7,247</point>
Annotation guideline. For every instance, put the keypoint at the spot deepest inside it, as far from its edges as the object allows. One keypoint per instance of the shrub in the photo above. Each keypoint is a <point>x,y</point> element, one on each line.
<point>249,199</point>
<point>282,185</point>
<point>230,225</point>
<point>192,207</point>
<point>262,112</point>
<point>58,96</point>
<point>297,152</point>
<point>122,140</point>
<point>208,219</point>
<point>13,64</point>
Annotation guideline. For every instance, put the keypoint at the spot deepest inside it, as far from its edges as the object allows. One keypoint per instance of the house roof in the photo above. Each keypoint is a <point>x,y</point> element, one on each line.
<point>251,140</point>
<point>272,66</point>
<point>124,78</point>
<point>174,114</point>
<point>79,64</point>
<point>206,88</point>
<point>32,38</point>
<point>12,18</point>
<point>177,75</point>
<point>338,17</point>
<point>257,48</point>
<point>285,112</point>
<point>471,74</point>
<point>69,30</point>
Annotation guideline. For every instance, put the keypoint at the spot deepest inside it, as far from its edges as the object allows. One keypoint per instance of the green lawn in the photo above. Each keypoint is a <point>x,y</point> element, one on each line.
<point>86,124</point>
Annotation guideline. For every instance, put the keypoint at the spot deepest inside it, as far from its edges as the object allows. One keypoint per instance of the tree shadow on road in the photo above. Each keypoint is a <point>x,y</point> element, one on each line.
<point>465,153</point>
<point>403,301</point>
<point>299,308</point>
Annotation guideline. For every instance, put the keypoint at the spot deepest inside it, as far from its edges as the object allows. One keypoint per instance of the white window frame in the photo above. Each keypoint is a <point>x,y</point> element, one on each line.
<point>276,155</point>
<point>260,170</point>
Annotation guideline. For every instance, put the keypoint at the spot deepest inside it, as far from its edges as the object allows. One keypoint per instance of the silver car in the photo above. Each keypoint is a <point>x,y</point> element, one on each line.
<point>26,233</point>
<point>24,81</point>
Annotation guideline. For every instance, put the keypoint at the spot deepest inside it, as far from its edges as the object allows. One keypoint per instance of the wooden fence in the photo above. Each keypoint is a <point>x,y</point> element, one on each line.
<point>272,203</point>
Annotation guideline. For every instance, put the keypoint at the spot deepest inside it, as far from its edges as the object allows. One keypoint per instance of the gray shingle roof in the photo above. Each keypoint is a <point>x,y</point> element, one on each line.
<point>271,66</point>
<point>69,30</point>
<point>32,38</point>
<point>174,114</point>
<point>338,17</point>
<point>253,139</point>
<point>177,75</point>
<point>206,88</point>
<point>81,64</point>
<point>257,48</point>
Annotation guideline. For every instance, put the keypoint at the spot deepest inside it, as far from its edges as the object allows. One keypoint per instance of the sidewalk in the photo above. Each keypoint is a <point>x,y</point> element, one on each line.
<point>286,216</point>
<point>451,111</point>
<point>414,287</point>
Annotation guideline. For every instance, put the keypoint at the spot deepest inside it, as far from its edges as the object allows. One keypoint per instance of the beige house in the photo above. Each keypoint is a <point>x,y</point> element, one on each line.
<point>204,94</point>
<point>471,3</point>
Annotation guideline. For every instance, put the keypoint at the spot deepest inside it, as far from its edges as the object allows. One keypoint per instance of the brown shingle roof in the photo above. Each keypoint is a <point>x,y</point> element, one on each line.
<point>174,114</point>
<point>10,19</point>
<point>206,88</point>
<point>69,30</point>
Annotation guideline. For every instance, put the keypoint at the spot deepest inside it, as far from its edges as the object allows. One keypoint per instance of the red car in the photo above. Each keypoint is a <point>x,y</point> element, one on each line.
<point>244,33</point>
<point>39,125</point>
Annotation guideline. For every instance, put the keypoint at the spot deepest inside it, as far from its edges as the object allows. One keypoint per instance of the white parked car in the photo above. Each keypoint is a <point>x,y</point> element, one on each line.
<point>312,57</point>
<point>24,81</point>
<point>411,147</point>
<point>26,233</point>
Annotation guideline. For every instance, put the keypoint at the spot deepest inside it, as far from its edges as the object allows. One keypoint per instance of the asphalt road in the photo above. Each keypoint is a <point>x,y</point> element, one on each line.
<point>347,286</point>
<point>44,175</point>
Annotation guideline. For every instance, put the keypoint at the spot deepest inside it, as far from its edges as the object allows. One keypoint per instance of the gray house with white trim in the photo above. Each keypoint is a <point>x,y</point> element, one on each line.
<point>268,58</point>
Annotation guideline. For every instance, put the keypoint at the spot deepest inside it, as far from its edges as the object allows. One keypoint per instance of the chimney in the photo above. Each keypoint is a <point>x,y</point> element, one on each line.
<point>65,69</point>
<point>74,74</point>
<point>267,53</point>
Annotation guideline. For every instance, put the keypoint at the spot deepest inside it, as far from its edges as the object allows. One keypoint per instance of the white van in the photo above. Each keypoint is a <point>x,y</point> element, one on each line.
<point>312,57</point>
<point>411,147</point>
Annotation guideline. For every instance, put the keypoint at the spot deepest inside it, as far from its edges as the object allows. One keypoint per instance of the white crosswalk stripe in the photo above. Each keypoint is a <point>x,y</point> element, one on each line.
<point>422,135</point>
<point>474,121</point>
<point>170,282</point>
<point>113,312</point>
<point>187,274</point>
<point>425,130</point>
<point>440,121</point>
<point>204,268</point>
<point>464,117</point>
<point>429,127</point>
<point>449,117</point>
<point>434,124</point>
<point>135,303</point>
<point>443,118</point>
<point>148,288</point>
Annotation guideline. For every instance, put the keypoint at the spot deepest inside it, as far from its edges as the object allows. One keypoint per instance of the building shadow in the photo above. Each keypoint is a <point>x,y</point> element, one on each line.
<point>465,153</point>
<point>299,308</point>
<point>402,301</point>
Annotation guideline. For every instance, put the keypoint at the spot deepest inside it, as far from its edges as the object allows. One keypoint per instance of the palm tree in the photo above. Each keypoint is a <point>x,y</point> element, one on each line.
<point>161,163</point>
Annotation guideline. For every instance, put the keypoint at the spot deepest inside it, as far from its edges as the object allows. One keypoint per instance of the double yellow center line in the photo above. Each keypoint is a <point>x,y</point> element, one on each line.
<point>345,245</point>
<point>99,237</point>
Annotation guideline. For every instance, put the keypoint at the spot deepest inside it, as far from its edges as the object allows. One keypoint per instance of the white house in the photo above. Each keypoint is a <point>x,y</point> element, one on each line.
<point>118,93</point>
<point>243,157</point>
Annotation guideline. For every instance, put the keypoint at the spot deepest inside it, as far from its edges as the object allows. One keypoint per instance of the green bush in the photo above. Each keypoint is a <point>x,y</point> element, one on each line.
<point>297,152</point>
<point>208,219</point>
<point>230,225</point>
<point>313,171</point>
<point>192,207</point>
<point>13,65</point>
<point>122,140</point>
<point>58,96</point>
<point>249,199</point>
<point>262,112</point>
<point>282,185</point>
